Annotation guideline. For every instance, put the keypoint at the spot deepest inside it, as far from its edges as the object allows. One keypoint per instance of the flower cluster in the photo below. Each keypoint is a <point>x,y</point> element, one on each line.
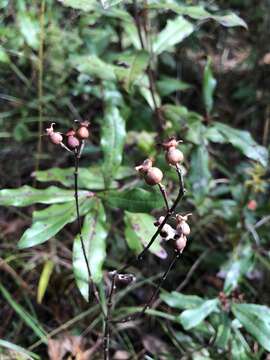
<point>74,137</point>
<point>178,233</point>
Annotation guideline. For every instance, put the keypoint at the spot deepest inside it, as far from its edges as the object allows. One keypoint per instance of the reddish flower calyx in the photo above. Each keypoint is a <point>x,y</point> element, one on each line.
<point>171,143</point>
<point>55,137</point>
<point>83,131</point>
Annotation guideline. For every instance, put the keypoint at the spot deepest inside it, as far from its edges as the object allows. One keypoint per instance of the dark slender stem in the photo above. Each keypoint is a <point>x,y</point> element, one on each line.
<point>76,175</point>
<point>106,340</point>
<point>165,197</point>
<point>154,294</point>
<point>169,213</point>
<point>149,72</point>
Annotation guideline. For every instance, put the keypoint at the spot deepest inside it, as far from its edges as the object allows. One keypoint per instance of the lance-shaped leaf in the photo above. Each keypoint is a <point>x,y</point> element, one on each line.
<point>48,222</point>
<point>112,142</point>
<point>174,32</point>
<point>135,200</point>
<point>139,230</point>
<point>209,85</point>
<point>198,13</point>
<point>200,174</point>
<point>85,5</point>
<point>193,317</point>
<point>256,320</point>
<point>181,301</point>
<point>94,233</point>
<point>242,140</point>
<point>26,195</point>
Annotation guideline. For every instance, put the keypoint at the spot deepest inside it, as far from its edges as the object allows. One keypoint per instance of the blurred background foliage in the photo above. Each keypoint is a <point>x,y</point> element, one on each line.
<point>208,85</point>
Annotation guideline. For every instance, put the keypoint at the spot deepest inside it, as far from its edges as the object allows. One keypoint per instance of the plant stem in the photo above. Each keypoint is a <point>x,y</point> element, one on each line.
<point>154,294</point>
<point>40,84</point>
<point>106,339</point>
<point>164,194</point>
<point>76,175</point>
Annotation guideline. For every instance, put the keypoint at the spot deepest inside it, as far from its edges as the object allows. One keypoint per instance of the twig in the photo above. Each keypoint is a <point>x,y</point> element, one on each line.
<point>164,194</point>
<point>106,340</point>
<point>40,83</point>
<point>76,175</point>
<point>154,294</point>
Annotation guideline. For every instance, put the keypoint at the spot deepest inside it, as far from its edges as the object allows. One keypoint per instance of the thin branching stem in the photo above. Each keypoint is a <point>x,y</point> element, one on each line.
<point>164,194</point>
<point>76,195</point>
<point>154,294</point>
<point>107,334</point>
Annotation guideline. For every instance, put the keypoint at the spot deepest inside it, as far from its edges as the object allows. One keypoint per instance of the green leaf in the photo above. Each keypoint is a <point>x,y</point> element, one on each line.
<point>209,85</point>
<point>181,301</point>
<point>112,142</point>
<point>89,178</point>
<point>136,63</point>
<point>174,32</point>
<point>29,27</point>
<point>198,13</point>
<point>168,85</point>
<point>94,66</point>
<point>44,280</point>
<point>26,195</point>
<point>85,5</point>
<point>200,175</point>
<point>48,222</point>
<point>94,233</point>
<point>18,350</point>
<point>193,317</point>
<point>4,58</point>
<point>223,331</point>
<point>24,315</point>
<point>238,351</point>
<point>139,230</point>
<point>135,200</point>
<point>243,141</point>
<point>239,265</point>
<point>256,320</point>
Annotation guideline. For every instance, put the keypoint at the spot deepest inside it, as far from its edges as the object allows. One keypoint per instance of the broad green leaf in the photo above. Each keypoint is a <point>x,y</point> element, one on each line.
<point>29,27</point>
<point>136,63</point>
<point>200,175</point>
<point>181,301</point>
<point>174,32</point>
<point>144,88</point>
<point>4,58</point>
<point>89,178</point>
<point>256,320</point>
<point>94,233</point>
<point>112,142</point>
<point>168,85</point>
<point>48,222</point>
<point>238,350</point>
<point>108,3</point>
<point>85,5</point>
<point>193,317</point>
<point>138,232</point>
<point>44,280</point>
<point>26,195</point>
<point>94,66</point>
<point>24,315</point>
<point>239,265</point>
<point>243,141</point>
<point>209,85</point>
<point>135,200</point>
<point>198,13</point>
<point>223,331</point>
<point>18,350</point>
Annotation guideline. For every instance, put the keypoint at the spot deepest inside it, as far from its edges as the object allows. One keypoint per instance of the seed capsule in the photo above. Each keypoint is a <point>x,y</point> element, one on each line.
<point>153,176</point>
<point>82,133</point>
<point>181,243</point>
<point>72,142</point>
<point>55,137</point>
<point>174,156</point>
